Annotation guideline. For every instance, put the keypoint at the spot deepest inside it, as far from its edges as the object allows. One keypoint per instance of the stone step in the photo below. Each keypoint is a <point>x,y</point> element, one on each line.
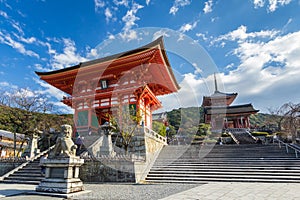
<point>26,174</point>
<point>21,182</point>
<point>221,179</point>
<point>23,178</point>
<point>31,167</point>
<point>221,173</point>
<point>216,170</point>
<point>272,159</point>
<point>234,153</point>
<point>206,180</point>
<point>228,176</point>
<point>241,163</point>
<point>205,164</point>
<point>211,166</point>
<point>220,148</point>
<point>223,147</point>
<point>201,155</point>
<point>29,171</point>
<point>228,146</point>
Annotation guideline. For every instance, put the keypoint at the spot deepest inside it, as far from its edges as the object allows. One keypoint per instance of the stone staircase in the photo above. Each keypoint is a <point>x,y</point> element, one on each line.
<point>30,174</point>
<point>241,136</point>
<point>225,163</point>
<point>27,173</point>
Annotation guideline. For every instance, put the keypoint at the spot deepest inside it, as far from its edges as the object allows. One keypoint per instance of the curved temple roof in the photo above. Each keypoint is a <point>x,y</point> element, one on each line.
<point>238,109</point>
<point>151,58</point>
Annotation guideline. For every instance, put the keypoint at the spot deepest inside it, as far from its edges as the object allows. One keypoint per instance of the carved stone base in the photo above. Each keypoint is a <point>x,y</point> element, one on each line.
<point>61,176</point>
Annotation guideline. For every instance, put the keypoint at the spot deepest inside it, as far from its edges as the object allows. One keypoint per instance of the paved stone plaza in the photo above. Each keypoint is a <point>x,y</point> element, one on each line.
<point>207,191</point>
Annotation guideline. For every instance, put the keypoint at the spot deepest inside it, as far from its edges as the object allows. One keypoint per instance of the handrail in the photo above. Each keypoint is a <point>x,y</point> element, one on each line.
<point>254,138</point>
<point>287,146</point>
<point>233,137</point>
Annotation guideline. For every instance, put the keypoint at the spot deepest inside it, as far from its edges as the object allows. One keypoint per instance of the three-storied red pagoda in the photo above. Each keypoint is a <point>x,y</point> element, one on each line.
<point>219,112</point>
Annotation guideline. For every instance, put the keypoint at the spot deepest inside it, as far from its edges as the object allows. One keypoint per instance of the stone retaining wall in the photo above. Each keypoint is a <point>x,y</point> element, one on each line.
<point>7,166</point>
<point>107,171</point>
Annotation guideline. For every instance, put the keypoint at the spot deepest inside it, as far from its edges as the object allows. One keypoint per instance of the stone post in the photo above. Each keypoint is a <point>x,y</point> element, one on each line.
<point>106,149</point>
<point>32,148</point>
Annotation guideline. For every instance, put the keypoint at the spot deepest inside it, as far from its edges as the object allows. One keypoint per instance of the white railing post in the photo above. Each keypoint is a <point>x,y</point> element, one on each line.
<point>287,146</point>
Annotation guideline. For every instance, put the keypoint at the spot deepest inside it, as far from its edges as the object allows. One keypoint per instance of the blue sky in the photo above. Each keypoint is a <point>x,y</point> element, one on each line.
<point>252,45</point>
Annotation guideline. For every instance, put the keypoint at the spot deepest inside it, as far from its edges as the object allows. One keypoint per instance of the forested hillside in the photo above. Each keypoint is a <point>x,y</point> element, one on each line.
<point>21,121</point>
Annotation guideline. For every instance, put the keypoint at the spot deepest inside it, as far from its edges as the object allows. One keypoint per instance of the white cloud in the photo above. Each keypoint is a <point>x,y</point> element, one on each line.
<point>147,2</point>
<point>55,93</point>
<point>288,22</point>
<point>6,38</point>
<point>62,108</point>
<point>27,40</point>
<point>129,35</point>
<point>17,26</point>
<point>177,4</point>
<point>130,18</point>
<point>189,94</point>
<point>3,14</point>
<point>111,37</point>
<point>21,14</point>
<point>130,21</point>
<point>198,70</point>
<point>230,66</point>
<point>272,4</point>
<point>159,33</point>
<point>39,67</point>
<point>108,14</point>
<point>241,34</point>
<point>187,27</point>
<point>4,84</point>
<point>264,72</point>
<point>259,3</point>
<point>99,4</point>
<point>181,37</point>
<point>202,35</point>
<point>49,89</point>
<point>121,3</point>
<point>266,67</point>
<point>68,57</point>
<point>92,53</point>
<point>208,6</point>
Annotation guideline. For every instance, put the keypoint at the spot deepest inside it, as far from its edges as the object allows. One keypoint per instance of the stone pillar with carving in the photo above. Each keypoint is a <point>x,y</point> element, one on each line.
<point>62,166</point>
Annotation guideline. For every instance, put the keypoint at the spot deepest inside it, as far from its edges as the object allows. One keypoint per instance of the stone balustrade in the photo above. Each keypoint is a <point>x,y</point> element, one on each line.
<point>155,135</point>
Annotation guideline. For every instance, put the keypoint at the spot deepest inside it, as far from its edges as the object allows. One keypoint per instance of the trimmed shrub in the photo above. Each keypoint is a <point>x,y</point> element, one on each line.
<point>260,133</point>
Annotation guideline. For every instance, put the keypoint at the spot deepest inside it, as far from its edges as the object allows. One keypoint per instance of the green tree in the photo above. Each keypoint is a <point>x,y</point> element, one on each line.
<point>125,123</point>
<point>204,129</point>
<point>159,128</point>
